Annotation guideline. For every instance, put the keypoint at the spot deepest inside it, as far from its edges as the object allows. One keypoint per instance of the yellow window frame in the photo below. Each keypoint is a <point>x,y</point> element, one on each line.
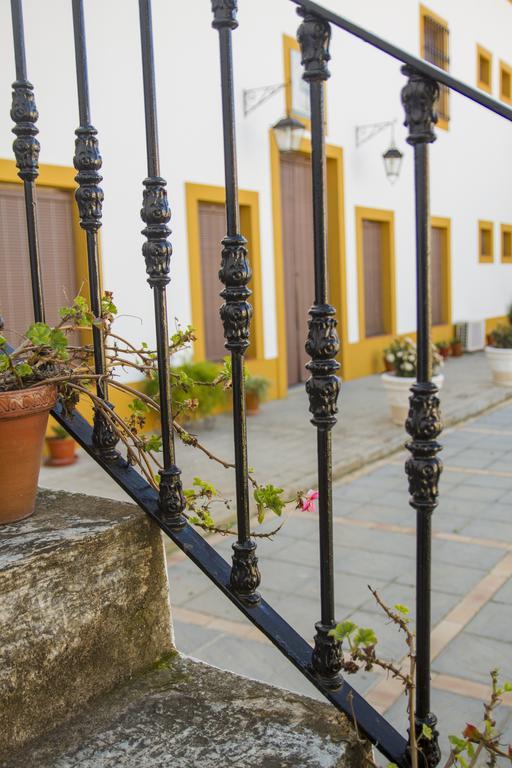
<point>483,55</point>
<point>505,74</point>
<point>506,235</point>
<point>427,13</point>
<point>486,226</point>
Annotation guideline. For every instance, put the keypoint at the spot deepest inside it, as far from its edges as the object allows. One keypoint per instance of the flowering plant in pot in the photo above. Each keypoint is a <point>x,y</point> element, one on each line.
<point>499,355</point>
<point>255,392</point>
<point>61,448</point>
<point>46,366</point>
<point>444,348</point>
<point>402,354</point>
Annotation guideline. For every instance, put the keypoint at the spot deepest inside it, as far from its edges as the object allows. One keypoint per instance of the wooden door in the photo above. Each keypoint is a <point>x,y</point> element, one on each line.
<point>373,263</point>
<point>437,250</point>
<point>212,228</point>
<point>297,217</point>
<point>57,254</point>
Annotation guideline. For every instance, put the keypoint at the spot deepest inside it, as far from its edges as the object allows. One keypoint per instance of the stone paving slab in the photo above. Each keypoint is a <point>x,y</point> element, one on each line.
<point>184,714</point>
<point>281,439</point>
<point>385,558</point>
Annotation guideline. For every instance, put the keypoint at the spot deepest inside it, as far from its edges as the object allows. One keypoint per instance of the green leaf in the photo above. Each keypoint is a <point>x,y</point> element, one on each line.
<point>39,334</point>
<point>268,497</point>
<point>403,609</point>
<point>138,407</point>
<point>23,370</point>
<point>58,339</point>
<point>4,363</point>
<point>154,443</point>
<point>207,489</point>
<point>457,742</point>
<point>365,637</point>
<point>470,750</point>
<point>342,630</point>
<point>426,731</point>
<point>507,687</point>
<point>3,341</point>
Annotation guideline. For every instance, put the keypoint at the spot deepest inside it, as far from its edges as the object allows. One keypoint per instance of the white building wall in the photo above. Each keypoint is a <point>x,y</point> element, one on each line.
<point>471,163</point>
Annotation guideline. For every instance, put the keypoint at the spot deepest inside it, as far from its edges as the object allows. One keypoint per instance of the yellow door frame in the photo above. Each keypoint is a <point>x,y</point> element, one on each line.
<point>257,364</point>
<point>335,248</point>
<point>444,330</point>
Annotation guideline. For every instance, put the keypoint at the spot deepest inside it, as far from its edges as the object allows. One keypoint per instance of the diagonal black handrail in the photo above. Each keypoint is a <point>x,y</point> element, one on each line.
<point>370,723</point>
<point>424,67</point>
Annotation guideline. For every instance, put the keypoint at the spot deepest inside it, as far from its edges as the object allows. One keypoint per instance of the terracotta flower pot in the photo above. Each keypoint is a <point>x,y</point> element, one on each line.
<point>445,352</point>
<point>457,349</point>
<point>62,451</point>
<point>252,403</point>
<point>23,420</point>
<point>388,367</point>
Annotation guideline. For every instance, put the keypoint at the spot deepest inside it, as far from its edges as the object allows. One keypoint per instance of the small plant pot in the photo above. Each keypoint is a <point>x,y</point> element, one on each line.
<point>457,349</point>
<point>398,392</point>
<point>500,361</point>
<point>23,420</point>
<point>62,451</point>
<point>445,352</point>
<point>252,403</point>
<point>388,367</point>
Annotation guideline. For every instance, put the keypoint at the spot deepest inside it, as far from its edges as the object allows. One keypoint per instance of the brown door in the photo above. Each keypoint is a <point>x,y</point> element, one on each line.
<point>57,254</point>
<point>437,267</point>
<point>296,206</point>
<point>373,262</point>
<point>212,228</point>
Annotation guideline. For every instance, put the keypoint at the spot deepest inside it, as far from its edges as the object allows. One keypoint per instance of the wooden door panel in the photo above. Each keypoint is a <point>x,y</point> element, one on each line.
<point>436,260</point>
<point>373,263</point>
<point>212,228</point>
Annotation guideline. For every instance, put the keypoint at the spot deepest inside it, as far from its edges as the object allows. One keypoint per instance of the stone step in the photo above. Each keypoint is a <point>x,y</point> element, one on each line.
<point>185,714</point>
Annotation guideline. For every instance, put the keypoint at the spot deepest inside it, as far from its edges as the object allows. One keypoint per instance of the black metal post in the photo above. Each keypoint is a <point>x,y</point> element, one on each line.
<point>322,343</point>
<point>424,421</point>
<point>157,252</point>
<point>89,198</point>
<point>236,312</point>
<point>26,150</point>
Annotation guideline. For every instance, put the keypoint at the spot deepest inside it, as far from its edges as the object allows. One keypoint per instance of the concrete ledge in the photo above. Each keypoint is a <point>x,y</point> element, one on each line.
<point>186,714</point>
<point>83,605</point>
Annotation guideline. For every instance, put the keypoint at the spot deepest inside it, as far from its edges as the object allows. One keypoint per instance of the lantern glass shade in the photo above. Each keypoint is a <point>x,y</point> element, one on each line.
<point>392,163</point>
<point>288,133</point>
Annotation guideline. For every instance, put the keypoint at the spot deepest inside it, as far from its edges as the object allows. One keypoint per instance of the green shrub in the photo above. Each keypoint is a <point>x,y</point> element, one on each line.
<point>194,391</point>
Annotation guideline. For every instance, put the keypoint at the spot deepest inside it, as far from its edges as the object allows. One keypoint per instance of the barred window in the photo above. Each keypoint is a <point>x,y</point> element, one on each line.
<point>435,38</point>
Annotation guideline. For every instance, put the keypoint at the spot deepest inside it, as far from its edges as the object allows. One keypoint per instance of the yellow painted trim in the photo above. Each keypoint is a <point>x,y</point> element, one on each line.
<point>486,258</point>
<point>426,12</point>
<point>492,322</point>
<point>250,227</point>
<point>507,69</point>
<point>335,247</point>
<point>506,229</point>
<point>441,222</point>
<point>60,177</point>
<point>484,54</point>
<point>389,275</point>
<point>291,44</point>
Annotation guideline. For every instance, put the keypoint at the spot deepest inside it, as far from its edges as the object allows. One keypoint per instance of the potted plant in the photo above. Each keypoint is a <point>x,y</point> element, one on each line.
<point>499,355</point>
<point>61,448</point>
<point>402,354</point>
<point>31,376</point>
<point>444,348</point>
<point>255,392</point>
<point>457,347</point>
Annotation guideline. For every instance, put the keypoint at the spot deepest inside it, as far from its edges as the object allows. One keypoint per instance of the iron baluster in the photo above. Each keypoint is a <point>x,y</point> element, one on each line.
<point>26,150</point>
<point>157,251</point>
<point>89,197</point>
<point>322,343</point>
<point>423,423</point>
<point>236,312</point>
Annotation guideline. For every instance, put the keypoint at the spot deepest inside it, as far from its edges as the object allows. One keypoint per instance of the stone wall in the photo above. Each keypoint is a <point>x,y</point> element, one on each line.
<point>83,605</point>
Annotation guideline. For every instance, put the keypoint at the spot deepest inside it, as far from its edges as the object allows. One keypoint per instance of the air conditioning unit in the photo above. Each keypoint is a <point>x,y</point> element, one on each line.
<point>472,334</point>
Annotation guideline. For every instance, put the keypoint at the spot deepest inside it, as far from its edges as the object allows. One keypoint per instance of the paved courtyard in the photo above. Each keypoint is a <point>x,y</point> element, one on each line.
<point>375,544</point>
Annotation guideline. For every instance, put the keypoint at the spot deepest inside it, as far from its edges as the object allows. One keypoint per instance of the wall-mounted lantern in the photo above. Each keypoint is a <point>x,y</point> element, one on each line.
<point>392,156</point>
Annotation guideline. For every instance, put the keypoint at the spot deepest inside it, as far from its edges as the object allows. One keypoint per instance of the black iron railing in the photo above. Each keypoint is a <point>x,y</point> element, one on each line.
<point>240,580</point>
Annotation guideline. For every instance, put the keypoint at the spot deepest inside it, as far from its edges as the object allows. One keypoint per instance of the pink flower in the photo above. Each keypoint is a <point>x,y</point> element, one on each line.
<point>308,501</point>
